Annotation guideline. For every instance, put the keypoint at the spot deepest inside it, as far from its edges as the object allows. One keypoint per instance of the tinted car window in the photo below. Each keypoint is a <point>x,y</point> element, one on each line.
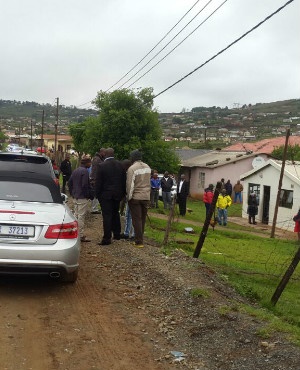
<point>27,163</point>
<point>29,181</point>
<point>16,191</point>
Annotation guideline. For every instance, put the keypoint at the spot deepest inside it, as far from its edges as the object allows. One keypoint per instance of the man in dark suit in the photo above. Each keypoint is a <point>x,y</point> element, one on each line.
<point>110,188</point>
<point>183,189</point>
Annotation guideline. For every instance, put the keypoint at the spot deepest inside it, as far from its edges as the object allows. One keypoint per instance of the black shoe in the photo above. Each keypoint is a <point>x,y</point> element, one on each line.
<point>124,236</point>
<point>118,237</point>
<point>96,212</point>
<point>105,242</point>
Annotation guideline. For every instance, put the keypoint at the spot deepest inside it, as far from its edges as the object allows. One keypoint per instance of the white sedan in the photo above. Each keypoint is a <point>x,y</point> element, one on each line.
<point>38,232</point>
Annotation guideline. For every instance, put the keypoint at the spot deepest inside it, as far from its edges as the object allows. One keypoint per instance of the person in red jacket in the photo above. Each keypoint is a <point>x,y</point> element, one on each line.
<point>208,197</point>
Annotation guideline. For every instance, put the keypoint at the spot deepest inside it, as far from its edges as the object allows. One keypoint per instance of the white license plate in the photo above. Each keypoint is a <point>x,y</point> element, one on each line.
<point>16,230</point>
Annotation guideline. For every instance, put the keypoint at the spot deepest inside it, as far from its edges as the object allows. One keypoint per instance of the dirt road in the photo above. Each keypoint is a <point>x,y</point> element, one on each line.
<point>129,309</point>
<point>46,325</point>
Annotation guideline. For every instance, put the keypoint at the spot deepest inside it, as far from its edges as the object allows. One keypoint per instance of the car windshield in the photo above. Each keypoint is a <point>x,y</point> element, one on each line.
<point>22,191</point>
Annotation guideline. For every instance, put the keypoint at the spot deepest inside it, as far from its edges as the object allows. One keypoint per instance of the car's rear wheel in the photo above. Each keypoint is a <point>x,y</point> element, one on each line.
<point>70,277</point>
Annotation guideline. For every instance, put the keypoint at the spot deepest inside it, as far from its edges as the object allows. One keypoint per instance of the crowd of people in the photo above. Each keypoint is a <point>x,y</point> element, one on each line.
<point>224,201</point>
<point>105,185</point>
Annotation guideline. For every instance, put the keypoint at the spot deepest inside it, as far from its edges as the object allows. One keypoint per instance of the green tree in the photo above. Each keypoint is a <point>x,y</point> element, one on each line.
<point>77,131</point>
<point>126,122</point>
<point>293,153</point>
<point>2,140</point>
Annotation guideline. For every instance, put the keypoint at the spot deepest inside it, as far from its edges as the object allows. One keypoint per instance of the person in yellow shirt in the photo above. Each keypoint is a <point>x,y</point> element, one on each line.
<point>223,202</point>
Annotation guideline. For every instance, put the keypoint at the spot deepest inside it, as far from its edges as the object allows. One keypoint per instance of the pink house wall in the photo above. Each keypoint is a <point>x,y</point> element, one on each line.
<point>229,171</point>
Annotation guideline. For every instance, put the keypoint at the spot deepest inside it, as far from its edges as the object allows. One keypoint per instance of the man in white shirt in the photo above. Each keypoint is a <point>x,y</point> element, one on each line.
<point>183,189</point>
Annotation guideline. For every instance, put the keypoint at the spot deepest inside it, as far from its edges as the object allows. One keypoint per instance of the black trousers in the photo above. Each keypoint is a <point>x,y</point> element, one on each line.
<point>111,218</point>
<point>65,179</point>
<point>181,200</point>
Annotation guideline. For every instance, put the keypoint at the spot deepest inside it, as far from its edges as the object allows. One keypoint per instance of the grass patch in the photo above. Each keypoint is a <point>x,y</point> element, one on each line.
<point>199,292</point>
<point>252,264</point>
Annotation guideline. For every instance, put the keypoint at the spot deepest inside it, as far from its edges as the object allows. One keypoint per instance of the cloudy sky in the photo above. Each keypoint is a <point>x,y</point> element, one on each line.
<point>72,48</point>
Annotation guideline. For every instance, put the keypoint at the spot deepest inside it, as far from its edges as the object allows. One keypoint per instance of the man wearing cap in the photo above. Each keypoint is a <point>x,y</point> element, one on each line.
<point>138,194</point>
<point>110,188</point>
<point>81,190</point>
<point>166,187</point>
<point>223,202</point>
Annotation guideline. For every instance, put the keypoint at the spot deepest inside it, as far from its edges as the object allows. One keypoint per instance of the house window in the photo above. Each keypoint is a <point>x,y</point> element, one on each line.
<point>202,179</point>
<point>286,198</point>
<point>254,188</point>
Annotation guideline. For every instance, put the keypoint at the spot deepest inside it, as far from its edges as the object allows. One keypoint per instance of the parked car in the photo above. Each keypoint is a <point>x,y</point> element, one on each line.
<point>38,232</point>
<point>173,191</point>
<point>27,162</point>
<point>14,148</point>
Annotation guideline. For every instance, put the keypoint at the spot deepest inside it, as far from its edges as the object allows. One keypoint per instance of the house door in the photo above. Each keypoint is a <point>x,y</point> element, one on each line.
<point>266,205</point>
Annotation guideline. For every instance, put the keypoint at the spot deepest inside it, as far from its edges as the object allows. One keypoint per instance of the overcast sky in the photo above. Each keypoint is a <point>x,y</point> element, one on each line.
<point>72,48</point>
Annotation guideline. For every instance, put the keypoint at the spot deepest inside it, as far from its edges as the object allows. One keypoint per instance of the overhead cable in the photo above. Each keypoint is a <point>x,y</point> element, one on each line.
<point>154,46</point>
<point>171,51</point>
<point>226,48</point>
<point>167,45</point>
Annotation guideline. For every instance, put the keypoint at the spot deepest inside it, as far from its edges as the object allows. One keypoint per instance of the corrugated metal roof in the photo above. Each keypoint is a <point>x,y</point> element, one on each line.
<point>215,159</point>
<point>185,154</point>
<point>264,146</point>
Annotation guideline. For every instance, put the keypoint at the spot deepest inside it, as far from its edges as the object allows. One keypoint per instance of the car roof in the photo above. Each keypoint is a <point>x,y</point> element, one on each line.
<point>24,156</point>
<point>34,178</point>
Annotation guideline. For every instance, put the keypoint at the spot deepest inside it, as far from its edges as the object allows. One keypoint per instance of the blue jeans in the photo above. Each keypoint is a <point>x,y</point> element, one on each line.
<point>222,214</point>
<point>128,222</point>
<point>166,196</point>
<point>236,196</point>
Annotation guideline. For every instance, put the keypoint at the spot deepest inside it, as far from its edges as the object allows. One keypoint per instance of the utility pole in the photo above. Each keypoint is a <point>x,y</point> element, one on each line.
<point>56,125</point>
<point>280,183</point>
<point>42,133</point>
<point>207,221</point>
<point>20,134</point>
<point>31,134</point>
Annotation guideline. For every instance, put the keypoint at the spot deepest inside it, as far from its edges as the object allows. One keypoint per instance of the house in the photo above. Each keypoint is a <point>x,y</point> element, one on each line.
<point>264,181</point>
<point>210,167</point>
<point>64,142</point>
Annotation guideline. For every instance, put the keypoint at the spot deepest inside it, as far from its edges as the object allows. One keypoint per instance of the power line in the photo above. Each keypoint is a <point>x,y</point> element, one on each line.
<point>154,46</point>
<point>166,46</point>
<point>148,53</point>
<point>223,50</point>
<point>171,51</point>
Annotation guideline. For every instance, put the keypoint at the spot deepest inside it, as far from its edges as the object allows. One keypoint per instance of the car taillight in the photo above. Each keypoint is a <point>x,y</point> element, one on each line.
<point>62,231</point>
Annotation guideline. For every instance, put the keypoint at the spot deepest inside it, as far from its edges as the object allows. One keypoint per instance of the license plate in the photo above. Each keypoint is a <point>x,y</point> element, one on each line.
<point>16,230</point>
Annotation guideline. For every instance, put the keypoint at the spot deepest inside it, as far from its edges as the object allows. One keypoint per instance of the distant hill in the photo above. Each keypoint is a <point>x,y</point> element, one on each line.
<point>283,106</point>
<point>13,109</point>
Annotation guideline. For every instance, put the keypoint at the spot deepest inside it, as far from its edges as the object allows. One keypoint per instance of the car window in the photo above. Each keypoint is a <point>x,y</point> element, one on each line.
<point>28,163</point>
<point>22,191</point>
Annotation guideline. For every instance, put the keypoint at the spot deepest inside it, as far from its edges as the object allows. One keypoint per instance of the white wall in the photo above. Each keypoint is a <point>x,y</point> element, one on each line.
<point>269,176</point>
